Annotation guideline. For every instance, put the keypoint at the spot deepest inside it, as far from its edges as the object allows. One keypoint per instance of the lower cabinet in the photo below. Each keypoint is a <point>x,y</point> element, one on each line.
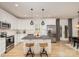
<point>2,45</point>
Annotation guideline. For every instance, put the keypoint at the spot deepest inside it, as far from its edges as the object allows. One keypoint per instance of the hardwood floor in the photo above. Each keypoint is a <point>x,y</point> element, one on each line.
<point>59,49</point>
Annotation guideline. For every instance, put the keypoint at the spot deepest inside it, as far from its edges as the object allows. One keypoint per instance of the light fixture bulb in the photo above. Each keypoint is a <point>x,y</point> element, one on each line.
<point>16,5</point>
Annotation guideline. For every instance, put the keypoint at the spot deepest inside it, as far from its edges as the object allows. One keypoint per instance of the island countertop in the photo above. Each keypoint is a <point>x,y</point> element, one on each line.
<point>33,37</point>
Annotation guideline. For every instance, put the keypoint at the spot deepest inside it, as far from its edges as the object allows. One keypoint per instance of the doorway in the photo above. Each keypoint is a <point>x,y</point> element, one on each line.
<point>66,34</point>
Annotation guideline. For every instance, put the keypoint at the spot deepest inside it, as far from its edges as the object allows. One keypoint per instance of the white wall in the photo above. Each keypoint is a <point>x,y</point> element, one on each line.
<point>25,25</point>
<point>8,18</point>
<point>74,29</point>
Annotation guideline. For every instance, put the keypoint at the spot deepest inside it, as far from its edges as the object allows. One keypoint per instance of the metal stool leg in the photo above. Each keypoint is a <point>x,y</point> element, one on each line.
<point>46,54</point>
<point>30,52</point>
<point>43,52</point>
<point>77,45</point>
<point>73,44</point>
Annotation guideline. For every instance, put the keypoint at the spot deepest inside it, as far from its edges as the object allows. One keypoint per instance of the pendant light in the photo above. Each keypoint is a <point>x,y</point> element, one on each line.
<point>31,22</point>
<point>42,23</point>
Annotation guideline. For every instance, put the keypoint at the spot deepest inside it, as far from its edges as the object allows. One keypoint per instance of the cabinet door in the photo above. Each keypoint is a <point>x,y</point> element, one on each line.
<point>2,46</point>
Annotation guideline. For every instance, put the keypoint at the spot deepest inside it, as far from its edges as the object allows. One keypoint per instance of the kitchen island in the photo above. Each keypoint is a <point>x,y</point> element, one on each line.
<point>37,41</point>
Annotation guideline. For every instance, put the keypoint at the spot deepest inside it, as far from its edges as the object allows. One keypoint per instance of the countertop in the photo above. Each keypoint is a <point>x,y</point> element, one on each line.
<point>33,37</point>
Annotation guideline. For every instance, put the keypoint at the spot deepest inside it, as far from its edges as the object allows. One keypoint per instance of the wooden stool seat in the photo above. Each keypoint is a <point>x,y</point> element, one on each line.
<point>30,52</point>
<point>43,46</point>
<point>29,44</point>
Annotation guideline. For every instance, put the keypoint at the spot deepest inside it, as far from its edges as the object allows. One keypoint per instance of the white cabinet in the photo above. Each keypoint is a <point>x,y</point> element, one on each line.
<point>2,45</point>
<point>18,38</point>
<point>14,24</point>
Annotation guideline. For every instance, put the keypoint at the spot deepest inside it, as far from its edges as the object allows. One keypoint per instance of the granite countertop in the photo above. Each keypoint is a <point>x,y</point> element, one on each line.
<point>33,37</point>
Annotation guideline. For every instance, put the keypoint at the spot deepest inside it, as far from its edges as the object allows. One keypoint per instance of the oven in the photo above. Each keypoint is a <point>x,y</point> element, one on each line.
<point>9,43</point>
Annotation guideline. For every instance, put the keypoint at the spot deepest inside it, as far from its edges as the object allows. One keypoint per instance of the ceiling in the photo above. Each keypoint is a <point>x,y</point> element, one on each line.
<point>52,9</point>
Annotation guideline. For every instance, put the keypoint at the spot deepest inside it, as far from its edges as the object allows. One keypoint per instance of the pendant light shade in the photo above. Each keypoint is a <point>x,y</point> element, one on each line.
<point>31,22</point>
<point>42,23</point>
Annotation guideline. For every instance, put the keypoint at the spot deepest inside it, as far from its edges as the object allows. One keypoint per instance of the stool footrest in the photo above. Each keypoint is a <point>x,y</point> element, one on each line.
<point>30,52</point>
<point>44,52</point>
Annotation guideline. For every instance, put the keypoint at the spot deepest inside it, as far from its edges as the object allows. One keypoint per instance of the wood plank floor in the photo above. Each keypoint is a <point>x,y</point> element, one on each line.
<point>59,49</point>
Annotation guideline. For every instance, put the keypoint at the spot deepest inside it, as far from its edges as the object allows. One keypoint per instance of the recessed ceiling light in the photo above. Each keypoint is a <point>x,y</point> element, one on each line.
<point>16,5</point>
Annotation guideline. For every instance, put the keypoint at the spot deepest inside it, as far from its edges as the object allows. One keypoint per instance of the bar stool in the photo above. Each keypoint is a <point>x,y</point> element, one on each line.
<point>74,41</point>
<point>77,44</point>
<point>43,51</point>
<point>30,52</point>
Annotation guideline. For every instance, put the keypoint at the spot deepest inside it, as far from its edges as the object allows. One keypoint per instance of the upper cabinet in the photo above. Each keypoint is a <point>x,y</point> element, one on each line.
<point>4,25</point>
